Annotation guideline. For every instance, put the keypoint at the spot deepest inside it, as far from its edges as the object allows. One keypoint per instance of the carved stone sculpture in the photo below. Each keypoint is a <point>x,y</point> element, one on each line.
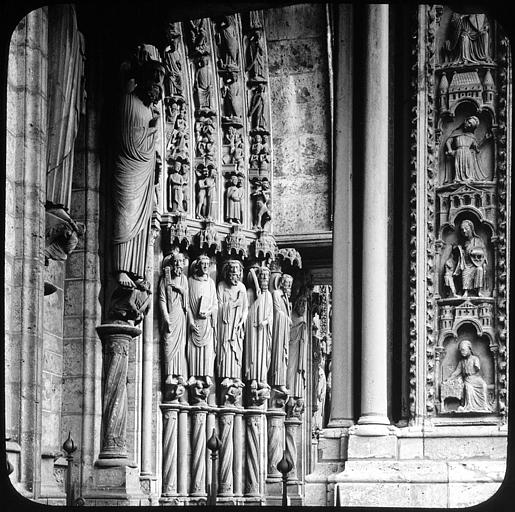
<point>281,334</point>
<point>255,151</point>
<point>227,39</point>
<point>134,175</point>
<point>179,138</point>
<point>230,93</point>
<point>206,191</point>
<point>464,148</point>
<point>475,396</point>
<point>175,184</point>
<point>199,37</point>
<point>234,198</point>
<point>205,136</point>
<point>261,198</point>
<point>296,374</point>
<point>172,60</point>
<point>62,234</point>
<point>173,305</point>
<point>469,39</point>
<point>256,56</point>
<point>469,263</point>
<point>236,152</point>
<point>203,84</point>
<point>259,334</point>
<point>232,315</point>
<point>257,108</point>
<point>202,328</point>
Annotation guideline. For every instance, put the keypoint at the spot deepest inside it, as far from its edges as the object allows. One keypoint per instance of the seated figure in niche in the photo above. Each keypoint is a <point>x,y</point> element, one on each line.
<point>464,148</point>
<point>470,263</point>
<point>475,396</point>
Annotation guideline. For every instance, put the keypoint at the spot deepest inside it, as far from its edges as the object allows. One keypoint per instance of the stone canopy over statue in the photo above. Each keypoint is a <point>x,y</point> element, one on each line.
<point>134,174</point>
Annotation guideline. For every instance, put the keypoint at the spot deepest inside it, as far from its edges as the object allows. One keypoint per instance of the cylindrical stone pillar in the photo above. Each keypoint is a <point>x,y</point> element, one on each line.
<point>238,440</point>
<point>291,426</point>
<point>226,475</point>
<point>170,417</point>
<point>375,226</point>
<point>182,452</point>
<point>115,348</point>
<point>342,413</point>
<point>275,435</point>
<point>253,452</point>
<point>198,452</point>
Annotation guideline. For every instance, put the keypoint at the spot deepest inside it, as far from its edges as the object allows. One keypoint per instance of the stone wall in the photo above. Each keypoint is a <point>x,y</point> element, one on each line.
<point>300,92</point>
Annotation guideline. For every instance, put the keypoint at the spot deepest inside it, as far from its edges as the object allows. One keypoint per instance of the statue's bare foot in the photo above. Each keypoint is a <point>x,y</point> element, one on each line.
<point>209,381</point>
<point>253,384</point>
<point>124,280</point>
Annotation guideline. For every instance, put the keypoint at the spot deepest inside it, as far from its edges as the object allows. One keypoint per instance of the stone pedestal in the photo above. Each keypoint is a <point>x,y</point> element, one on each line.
<point>275,434</point>
<point>115,348</point>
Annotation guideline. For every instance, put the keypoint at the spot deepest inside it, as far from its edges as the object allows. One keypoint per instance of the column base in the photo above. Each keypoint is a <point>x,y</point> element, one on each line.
<point>372,425</point>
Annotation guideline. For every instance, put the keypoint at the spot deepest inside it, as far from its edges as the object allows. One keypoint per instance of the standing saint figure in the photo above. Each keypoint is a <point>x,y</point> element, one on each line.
<point>234,196</point>
<point>257,108</point>
<point>203,84</point>
<point>296,373</point>
<point>175,186</point>
<point>227,38</point>
<point>173,304</point>
<point>464,148</point>
<point>202,323</point>
<point>256,56</point>
<point>471,261</point>
<point>258,346</point>
<point>232,314</point>
<point>134,175</point>
<point>281,334</point>
<point>475,396</point>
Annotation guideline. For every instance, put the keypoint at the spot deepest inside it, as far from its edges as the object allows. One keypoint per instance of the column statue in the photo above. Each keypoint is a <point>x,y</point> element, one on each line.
<point>173,305</point>
<point>202,328</point>
<point>134,175</point>
<point>258,346</point>
<point>296,373</point>
<point>232,315</point>
<point>475,396</point>
<point>281,334</point>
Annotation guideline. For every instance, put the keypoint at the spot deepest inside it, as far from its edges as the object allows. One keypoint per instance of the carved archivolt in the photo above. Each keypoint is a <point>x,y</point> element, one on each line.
<point>465,229</point>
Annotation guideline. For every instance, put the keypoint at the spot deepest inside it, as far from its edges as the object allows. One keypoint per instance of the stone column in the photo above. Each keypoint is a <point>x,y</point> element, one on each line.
<point>253,482</point>
<point>226,458</point>
<point>198,452</point>
<point>342,414</point>
<point>291,426</point>
<point>115,343</point>
<point>373,419</point>
<point>182,455</point>
<point>275,434</point>
<point>238,440</point>
<point>170,414</point>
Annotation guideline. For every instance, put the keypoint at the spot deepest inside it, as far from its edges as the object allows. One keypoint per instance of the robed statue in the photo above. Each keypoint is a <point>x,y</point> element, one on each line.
<point>296,373</point>
<point>134,174</point>
<point>258,346</point>
<point>281,334</point>
<point>202,326</point>
<point>173,305</point>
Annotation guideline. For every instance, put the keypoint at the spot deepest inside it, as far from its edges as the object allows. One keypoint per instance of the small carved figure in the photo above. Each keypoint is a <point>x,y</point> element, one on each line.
<point>464,148</point>
<point>202,313</point>
<point>264,155</point>
<point>234,196</point>
<point>173,304</point>
<point>255,151</point>
<point>232,315</point>
<point>261,197</point>
<point>175,186</point>
<point>469,39</point>
<point>281,334</point>
<point>256,56</point>
<point>296,374</point>
<point>259,331</point>
<point>134,176</point>
<point>185,181</point>
<point>206,190</point>
<point>227,39</point>
<point>130,305</point>
<point>231,97</point>
<point>204,131</point>
<point>199,37</point>
<point>470,263</point>
<point>475,395</point>
<point>172,59</point>
<point>178,144</point>
<point>203,84</point>
<point>257,108</point>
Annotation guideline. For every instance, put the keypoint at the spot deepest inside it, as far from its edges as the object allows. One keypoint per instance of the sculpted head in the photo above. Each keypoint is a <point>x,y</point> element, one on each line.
<point>232,271</point>
<point>176,263</point>
<point>467,228</point>
<point>300,305</point>
<point>470,124</point>
<point>465,348</point>
<point>285,284</point>
<point>203,265</point>
<point>263,278</point>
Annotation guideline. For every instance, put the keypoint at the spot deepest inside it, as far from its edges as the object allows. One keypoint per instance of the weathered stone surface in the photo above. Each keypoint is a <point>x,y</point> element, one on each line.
<point>470,494</point>
<point>73,297</point>
<point>364,447</point>
<point>457,448</point>
<point>298,21</point>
